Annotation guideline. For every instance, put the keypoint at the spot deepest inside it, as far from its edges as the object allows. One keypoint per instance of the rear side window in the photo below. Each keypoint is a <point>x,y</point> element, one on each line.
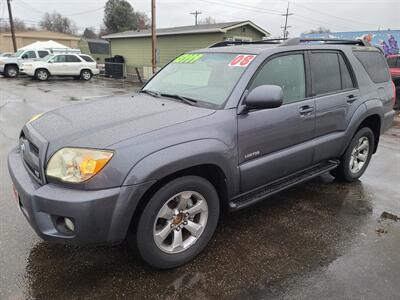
<point>73,58</point>
<point>43,53</point>
<point>287,72</point>
<point>347,81</point>
<point>86,58</point>
<point>375,65</point>
<point>325,71</point>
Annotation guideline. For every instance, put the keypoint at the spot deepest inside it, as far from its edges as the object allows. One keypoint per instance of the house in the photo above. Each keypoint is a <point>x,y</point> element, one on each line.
<point>135,46</point>
<point>97,48</point>
<point>24,38</point>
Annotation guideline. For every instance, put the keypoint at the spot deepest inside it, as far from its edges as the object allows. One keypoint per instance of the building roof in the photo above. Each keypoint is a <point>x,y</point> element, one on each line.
<point>194,29</point>
<point>42,34</point>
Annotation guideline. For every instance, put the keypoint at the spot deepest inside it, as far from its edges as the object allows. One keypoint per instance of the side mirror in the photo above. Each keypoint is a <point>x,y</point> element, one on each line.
<point>264,96</point>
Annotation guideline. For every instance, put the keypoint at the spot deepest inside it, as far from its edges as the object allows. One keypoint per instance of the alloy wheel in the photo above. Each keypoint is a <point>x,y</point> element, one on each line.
<point>359,155</point>
<point>180,222</point>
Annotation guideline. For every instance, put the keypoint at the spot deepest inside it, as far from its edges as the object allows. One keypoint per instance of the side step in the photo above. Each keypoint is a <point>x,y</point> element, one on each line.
<point>265,191</point>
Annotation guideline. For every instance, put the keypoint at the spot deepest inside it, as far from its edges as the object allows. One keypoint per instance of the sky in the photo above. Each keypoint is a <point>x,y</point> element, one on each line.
<point>341,15</point>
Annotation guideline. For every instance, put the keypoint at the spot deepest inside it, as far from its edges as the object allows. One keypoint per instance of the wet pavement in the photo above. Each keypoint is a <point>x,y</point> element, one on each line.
<point>320,240</point>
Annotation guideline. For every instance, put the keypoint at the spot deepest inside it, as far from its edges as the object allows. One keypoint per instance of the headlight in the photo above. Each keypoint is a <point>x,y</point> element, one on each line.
<point>77,164</point>
<point>35,117</point>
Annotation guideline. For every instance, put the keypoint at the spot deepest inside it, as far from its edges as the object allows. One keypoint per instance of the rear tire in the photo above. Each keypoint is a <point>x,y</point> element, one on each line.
<point>86,75</point>
<point>42,74</point>
<point>11,71</point>
<point>358,154</point>
<point>178,222</point>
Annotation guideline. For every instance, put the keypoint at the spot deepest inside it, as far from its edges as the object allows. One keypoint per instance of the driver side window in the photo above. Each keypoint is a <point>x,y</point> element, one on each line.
<point>29,54</point>
<point>59,59</point>
<point>286,71</point>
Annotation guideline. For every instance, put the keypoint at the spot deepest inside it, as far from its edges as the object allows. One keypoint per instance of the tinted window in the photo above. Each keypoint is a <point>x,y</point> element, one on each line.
<point>59,59</point>
<point>287,72</point>
<point>325,72</point>
<point>43,53</point>
<point>375,65</point>
<point>29,54</point>
<point>86,58</point>
<point>73,58</point>
<point>347,82</point>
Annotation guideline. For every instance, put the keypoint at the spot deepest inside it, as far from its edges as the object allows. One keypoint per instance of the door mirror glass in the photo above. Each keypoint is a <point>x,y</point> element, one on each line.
<point>265,96</point>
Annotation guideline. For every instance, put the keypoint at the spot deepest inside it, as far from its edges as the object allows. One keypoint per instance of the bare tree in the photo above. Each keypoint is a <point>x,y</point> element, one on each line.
<point>18,24</point>
<point>207,20</point>
<point>56,22</point>
<point>320,29</point>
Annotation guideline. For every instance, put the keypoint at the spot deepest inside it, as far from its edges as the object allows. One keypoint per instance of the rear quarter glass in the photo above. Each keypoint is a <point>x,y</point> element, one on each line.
<point>374,64</point>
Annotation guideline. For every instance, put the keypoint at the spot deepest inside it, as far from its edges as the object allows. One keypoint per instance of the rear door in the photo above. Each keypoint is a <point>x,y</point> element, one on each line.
<point>336,97</point>
<point>273,142</point>
<point>74,65</point>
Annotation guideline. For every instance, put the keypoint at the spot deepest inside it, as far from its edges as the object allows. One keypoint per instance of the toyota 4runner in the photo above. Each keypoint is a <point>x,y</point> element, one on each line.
<point>222,127</point>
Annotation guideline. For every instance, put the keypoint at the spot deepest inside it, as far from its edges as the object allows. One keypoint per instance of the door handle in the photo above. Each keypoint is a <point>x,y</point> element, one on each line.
<point>305,110</point>
<point>351,98</point>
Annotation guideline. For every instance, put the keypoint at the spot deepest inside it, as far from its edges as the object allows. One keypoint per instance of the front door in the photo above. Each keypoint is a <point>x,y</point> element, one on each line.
<point>273,142</point>
<point>58,65</point>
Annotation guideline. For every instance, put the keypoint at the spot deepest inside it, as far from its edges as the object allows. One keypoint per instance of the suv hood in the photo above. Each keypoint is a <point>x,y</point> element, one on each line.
<point>102,123</point>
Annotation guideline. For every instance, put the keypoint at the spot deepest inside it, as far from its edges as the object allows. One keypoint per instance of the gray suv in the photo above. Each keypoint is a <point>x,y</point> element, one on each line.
<point>222,127</point>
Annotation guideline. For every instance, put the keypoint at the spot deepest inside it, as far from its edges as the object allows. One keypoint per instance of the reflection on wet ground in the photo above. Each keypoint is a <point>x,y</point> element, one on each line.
<point>320,240</point>
<point>298,231</point>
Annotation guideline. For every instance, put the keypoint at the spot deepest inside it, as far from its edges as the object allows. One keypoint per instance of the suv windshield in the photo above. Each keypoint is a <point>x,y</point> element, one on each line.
<point>205,77</point>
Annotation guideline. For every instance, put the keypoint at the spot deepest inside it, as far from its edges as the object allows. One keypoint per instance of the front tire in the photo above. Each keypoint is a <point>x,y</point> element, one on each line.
<point>358,154</point>
<point>11,71</point>
<point>178,222</point>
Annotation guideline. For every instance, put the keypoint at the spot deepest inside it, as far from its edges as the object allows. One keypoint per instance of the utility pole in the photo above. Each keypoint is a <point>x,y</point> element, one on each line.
<point>285,28</point>
<point>12,25</point>
<point>153,36</point>
<point>195,13</point>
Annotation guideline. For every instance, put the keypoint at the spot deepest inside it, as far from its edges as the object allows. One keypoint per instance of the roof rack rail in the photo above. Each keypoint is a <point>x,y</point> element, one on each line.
<point>297,41</point>
<point>235,43</point>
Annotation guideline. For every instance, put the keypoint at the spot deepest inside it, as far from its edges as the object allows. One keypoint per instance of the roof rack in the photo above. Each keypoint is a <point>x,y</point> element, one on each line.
<point>292,42</point>
<point>235,43</point>
<point>297,41</point>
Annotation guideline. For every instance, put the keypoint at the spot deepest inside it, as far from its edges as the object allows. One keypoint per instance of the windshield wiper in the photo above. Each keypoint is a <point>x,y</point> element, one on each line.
<point>151,93</point>
<point>186,100</point>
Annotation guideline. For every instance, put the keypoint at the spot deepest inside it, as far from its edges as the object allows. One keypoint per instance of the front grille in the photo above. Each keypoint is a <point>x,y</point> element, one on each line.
<point>30,155</point>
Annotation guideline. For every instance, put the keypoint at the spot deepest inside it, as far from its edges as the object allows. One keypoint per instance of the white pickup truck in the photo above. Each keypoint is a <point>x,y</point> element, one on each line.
<point>10,66</point>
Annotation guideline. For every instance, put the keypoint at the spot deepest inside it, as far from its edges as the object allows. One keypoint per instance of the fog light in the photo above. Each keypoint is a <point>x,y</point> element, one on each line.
<point>69,224</point>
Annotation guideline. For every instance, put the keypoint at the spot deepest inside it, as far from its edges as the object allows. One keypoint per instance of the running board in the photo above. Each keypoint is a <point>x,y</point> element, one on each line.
<point>268,190</point>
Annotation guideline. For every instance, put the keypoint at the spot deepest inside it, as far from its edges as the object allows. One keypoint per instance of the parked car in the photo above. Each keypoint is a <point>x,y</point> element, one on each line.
<point>217,128</point>
<point>78,65</point>
<point>9,66</point>
<point>6,54</point>
<point>394,67</point>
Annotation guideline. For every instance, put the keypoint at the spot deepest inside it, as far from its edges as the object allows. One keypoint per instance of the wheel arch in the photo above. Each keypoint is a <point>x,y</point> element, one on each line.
<point>368,115</point>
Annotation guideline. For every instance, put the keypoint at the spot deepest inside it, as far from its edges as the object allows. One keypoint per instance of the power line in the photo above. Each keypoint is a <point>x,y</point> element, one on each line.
<point>195,13</point>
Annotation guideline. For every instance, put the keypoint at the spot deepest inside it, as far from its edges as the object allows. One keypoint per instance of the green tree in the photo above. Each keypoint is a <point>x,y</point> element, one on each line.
<point>119,16</point>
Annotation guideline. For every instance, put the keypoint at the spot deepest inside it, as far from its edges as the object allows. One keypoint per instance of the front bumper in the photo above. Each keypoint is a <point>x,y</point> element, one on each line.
<point>100,216</point>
